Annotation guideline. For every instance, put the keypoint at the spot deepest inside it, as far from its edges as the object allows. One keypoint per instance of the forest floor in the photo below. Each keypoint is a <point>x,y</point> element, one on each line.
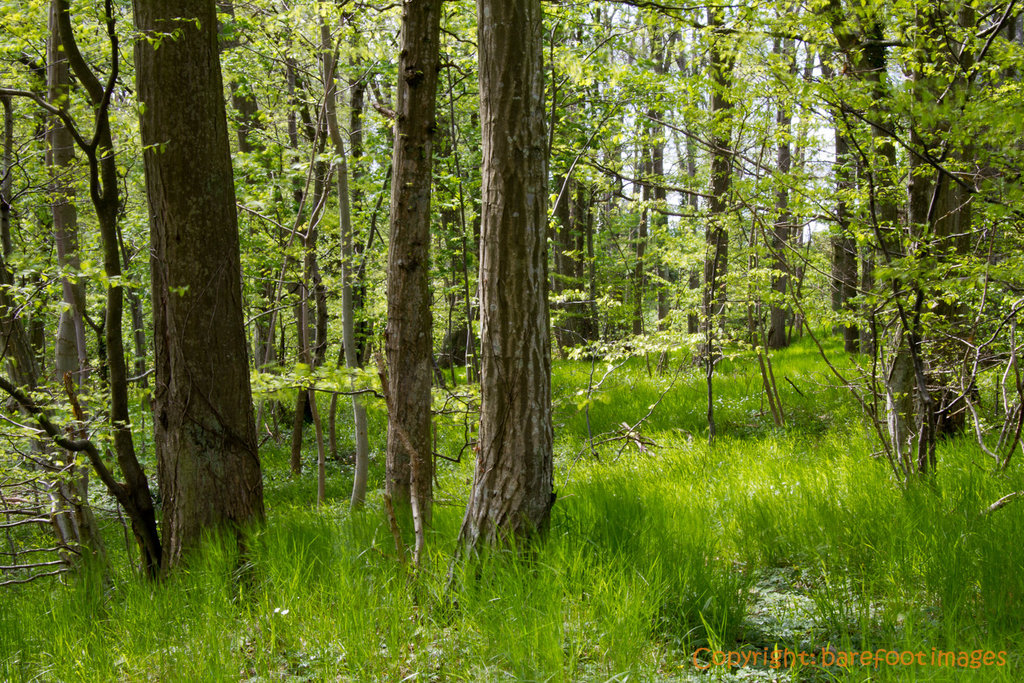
<point>778,553</point>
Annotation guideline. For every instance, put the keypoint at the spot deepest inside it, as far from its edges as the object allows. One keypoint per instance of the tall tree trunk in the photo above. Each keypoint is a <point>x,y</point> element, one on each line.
<point>582,217</point>
<point>640,236</point>
<point>593,324</point>
<point>952,214</point>
<point>6,180</point>
<point>347,258</point>
<point>716,263</point>
<point>205,433</point>
<point>134,494</point>
<point>20,359</point>
<point>575,323</point>
<point>716,255</point>
<point>242,99</point>
<point>363,323</point>
<point>513,487</point>
<point>657,220</point>
<point>659,223</point>
<point>782,230</point>
<point>563,238</point>
<point>864,48</point>
<point>305,339</point>
<point>409,335</point>
<point>916,408</point>
<point>694,277</point>
<point>903,373</point>
<point>71,358</point>
<point>15,348</point>
<point>872,67</point>
<point>844,246</point>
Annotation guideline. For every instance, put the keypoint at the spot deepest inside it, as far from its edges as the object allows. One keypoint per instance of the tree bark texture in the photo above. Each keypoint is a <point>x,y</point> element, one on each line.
<point>205,433</point>
<point>716,254</point>
<point>70,347</point>
<point>844,246</point>
<point>783,229</point>
<point>716,259</point>
<point>513,488</point>
<point>409,333</point>
<point>577,325</point>
<point>15,349</point>
<point>659,220</point>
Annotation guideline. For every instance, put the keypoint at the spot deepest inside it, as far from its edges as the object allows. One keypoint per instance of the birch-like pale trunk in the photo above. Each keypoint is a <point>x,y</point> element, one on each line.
<point>348,326</point>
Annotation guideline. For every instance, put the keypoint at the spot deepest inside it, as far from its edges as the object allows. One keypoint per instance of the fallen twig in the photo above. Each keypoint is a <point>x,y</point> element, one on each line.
<point>1002,502</point>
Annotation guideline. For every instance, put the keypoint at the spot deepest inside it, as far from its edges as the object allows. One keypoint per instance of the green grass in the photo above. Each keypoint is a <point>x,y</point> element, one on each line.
<point>791,538</point>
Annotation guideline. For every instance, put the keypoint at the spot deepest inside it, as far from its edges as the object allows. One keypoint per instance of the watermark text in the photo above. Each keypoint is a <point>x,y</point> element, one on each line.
<point>705,658</point>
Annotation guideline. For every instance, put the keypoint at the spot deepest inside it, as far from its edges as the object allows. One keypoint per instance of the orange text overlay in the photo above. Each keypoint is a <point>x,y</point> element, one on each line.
<point>705,658</point>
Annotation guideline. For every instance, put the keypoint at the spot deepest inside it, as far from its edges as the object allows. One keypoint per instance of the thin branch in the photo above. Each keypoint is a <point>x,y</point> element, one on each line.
<point>63,115</point>
<point>1002,502</point>
<point>12,582</point>
<point>116,489</point>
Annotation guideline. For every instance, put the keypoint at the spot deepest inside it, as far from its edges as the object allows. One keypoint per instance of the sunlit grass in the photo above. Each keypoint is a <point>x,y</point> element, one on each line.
<point>793,537</point>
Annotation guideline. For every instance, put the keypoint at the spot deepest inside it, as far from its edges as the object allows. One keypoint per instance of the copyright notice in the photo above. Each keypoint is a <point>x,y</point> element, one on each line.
<point>705,658</point>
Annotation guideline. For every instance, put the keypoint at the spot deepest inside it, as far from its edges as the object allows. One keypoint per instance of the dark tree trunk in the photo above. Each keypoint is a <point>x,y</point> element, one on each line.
<point>363,323</point>
<point>716,255</point>
<point>242,99</point>
<point>659,223</point>
<point>657,220</point>
<point>205,432</point>
<point>952,218</point>
<point>844,246</point>
<point>14,342</point>
<point>694,276</point>
<point>782,231</point>
<point>312,343</point>
<point>560,281</point>
<point>593,328</point>
<point>298,425</point>
<point>409,336</point>
<point>513,488</point>
<point>863,45</point>
<point>638,278</point>
<point>575,323</point>
<point>716,259</point>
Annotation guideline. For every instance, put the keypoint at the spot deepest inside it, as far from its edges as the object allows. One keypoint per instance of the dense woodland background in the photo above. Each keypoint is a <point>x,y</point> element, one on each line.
<point>774,249</point>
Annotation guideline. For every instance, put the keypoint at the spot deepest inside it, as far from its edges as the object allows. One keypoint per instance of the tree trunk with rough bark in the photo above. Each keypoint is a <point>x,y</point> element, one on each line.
<point>783,229</point>
<point>409,333</point>
<point>513,487</point>
<point>844,246</point>
<point>15,348</point>
<point>716,255</point>
<point>205,432</point>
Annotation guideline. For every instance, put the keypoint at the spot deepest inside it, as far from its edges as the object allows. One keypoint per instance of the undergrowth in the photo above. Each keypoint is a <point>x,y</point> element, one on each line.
<point>662,551</point>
